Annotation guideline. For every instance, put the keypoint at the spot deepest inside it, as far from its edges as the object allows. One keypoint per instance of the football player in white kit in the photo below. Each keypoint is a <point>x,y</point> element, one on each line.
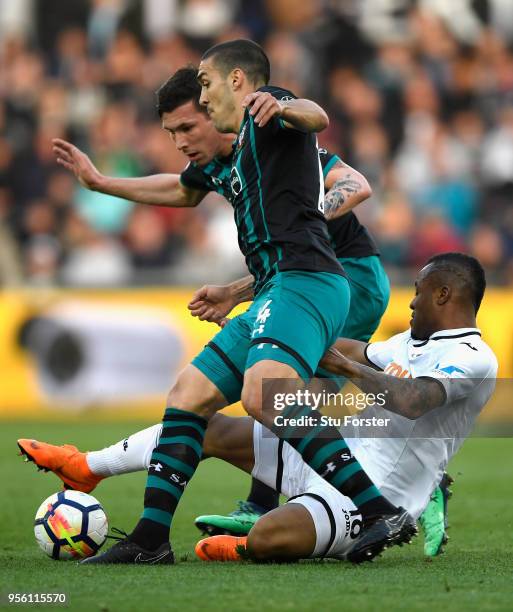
<point>437,376</point>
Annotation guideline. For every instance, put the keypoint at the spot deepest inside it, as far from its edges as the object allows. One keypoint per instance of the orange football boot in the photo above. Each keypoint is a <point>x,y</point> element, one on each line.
<point>221,548</point>
<point>66,462</point>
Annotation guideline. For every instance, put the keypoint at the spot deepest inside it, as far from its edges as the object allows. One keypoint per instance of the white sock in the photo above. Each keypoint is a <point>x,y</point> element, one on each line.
<point>132,454</point>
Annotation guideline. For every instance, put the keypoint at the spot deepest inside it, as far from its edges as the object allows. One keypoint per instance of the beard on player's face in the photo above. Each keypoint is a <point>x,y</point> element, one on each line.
<point>424,314</point>
<point>422,326</point>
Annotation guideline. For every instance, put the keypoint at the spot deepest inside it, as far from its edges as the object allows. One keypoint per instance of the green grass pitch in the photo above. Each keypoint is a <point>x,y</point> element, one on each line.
<point>475,573</point>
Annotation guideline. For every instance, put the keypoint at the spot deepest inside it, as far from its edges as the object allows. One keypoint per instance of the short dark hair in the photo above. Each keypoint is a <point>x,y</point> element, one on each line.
<point>180,88</point>
<point>244,54</point>
<point>467,269</point>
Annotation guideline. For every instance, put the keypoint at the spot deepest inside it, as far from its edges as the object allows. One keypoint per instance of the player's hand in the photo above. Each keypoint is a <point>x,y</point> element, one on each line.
<point>76,161</point>
<point>334,361</point>
<point>212,303</point>
<point>263,107</point>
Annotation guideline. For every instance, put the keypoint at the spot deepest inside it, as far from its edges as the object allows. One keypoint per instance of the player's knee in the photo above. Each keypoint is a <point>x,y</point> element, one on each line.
<point>193,392</point>
<point>263,383</point>
<point>179,394</point>
<point>190,400</point>
<point>251,399</point>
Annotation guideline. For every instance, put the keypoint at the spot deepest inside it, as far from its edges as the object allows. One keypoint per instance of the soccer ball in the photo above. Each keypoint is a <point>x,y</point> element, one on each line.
<point>70,525</point>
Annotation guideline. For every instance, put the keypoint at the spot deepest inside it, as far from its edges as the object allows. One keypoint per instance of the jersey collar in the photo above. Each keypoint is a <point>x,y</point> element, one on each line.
<point>447,334</point>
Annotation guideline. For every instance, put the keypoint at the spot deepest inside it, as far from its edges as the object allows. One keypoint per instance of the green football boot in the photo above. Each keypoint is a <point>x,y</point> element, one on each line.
<point>238,523</point>
<point>434,519</point>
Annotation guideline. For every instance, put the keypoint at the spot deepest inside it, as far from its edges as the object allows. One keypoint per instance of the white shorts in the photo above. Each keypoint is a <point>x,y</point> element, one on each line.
<point>336,519</point>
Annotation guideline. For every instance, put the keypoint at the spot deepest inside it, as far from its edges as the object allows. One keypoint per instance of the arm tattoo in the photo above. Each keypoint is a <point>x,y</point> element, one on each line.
<point>338,164</point>
<point>409,397</point>
<point>242,289</point>
<point>339,193</point>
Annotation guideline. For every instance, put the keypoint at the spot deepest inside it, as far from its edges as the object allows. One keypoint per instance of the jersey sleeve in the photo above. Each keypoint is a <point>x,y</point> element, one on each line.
<point>194,178</point>
<point>380,354</point>
<point>462,369</point>
<point>328,160</point>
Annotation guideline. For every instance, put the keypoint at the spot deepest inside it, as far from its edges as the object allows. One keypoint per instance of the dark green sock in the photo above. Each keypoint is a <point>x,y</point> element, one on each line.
<point>324,449</point>
<point>173,463</point>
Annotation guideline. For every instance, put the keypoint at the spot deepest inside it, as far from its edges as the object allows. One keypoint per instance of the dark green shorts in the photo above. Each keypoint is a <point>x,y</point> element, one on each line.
<point>294,319</point>
<point>370,292</point>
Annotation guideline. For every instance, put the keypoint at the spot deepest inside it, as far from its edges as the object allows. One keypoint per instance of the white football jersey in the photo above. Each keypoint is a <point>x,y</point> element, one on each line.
<point>408,459</point>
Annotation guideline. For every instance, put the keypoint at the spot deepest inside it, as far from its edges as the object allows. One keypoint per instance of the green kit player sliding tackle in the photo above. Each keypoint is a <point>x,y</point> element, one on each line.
<point>210,154</point>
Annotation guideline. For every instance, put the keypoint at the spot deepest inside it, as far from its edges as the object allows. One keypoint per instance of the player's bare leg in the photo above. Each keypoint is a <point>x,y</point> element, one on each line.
<point>231,439</point>
<point>196,394</point>
<point>255,403</point>
<point>286,533</point>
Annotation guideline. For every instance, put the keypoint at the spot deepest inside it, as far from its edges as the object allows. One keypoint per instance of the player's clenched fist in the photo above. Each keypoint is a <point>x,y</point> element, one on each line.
<point>75,160</point>
<point>262,106</point>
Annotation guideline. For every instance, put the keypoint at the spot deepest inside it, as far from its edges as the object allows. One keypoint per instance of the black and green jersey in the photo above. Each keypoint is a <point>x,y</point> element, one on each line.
<point>348,237</point>
<point>277,196</point>
<point>215,176</point>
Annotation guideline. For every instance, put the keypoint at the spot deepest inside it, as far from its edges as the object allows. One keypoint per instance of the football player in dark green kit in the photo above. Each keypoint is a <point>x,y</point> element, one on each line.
<point>209,152</point>
<point>277,196</point>
<point>301,302</point>
<point>209,169</point>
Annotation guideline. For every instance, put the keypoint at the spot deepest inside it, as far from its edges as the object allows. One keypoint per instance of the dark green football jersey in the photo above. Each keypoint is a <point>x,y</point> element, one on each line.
<point>264,250</point>
<point>215,176</point>
<point>278,194</point>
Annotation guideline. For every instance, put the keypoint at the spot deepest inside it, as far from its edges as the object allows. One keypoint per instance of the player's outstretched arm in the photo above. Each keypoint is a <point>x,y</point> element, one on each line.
<point>301,114</point>
<point>159,189</point>
<point>214,302</point>
<point>409,397</point>
<point>347,188</point>
<point>351,349</point>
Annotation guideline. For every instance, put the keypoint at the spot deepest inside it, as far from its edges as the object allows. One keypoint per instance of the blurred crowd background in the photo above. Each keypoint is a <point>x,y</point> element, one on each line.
<point>419,92</point>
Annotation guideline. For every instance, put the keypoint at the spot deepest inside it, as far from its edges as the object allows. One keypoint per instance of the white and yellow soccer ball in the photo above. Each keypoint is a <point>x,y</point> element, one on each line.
<point>70,525</point>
